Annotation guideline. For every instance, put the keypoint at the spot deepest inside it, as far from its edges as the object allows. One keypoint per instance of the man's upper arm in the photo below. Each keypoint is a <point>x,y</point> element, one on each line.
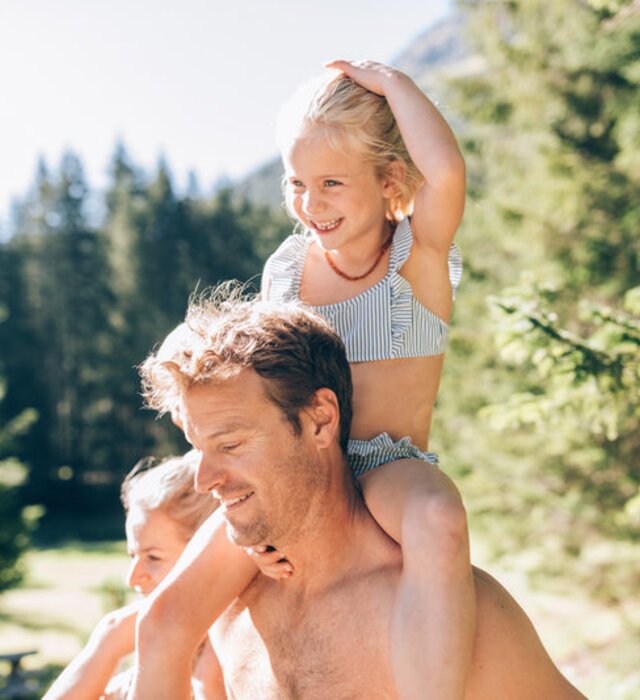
<point>509,659</point>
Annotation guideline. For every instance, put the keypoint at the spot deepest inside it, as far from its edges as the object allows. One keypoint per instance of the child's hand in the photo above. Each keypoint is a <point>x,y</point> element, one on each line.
<point>372,76</point>
<point>271,562</point>
<point>115,634</point>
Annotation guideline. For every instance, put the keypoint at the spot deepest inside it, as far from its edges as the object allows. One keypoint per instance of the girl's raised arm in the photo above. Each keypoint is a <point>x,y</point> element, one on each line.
<point>439,203</point>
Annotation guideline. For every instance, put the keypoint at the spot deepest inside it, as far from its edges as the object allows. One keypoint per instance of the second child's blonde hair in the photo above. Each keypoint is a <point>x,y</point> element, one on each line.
<point>348,114</point>
<point>169,487</point>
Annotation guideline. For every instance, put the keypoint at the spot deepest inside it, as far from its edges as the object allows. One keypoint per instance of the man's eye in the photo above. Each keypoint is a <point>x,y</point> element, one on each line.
<point>230,447</point>
<point>154,557</point>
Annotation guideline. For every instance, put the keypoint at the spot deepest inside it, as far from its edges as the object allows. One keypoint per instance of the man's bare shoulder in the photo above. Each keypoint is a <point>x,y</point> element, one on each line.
<point>509,659</point>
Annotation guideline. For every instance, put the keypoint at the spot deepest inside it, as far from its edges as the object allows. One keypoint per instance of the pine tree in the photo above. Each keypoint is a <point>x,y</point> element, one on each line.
<point>16,521</point>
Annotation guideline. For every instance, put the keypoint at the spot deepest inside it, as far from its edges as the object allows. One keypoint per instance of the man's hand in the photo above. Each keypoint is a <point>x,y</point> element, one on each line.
<point>270,562</point>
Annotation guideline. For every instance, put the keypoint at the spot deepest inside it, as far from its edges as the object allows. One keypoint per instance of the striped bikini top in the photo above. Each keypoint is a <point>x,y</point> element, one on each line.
<point>383,322</point>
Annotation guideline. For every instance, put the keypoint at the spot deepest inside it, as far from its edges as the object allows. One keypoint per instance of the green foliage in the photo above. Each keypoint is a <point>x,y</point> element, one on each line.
<point>89,290</point>
<point>539,411</point>
<point>592,382</point>
<point>16,521</point>
<point>584,396</point>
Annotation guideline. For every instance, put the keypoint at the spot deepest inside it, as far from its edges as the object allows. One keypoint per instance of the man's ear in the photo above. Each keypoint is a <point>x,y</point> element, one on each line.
<point>395,173</point>
<point>323,413</point>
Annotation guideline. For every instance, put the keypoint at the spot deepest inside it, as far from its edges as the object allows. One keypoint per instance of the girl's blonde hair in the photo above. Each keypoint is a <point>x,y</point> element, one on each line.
<point>348,114</point>
<point>169,487</point>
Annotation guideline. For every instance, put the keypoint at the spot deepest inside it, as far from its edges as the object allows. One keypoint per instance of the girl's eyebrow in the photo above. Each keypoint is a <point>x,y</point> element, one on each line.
<point>145,550</point>
<point>329,176</point>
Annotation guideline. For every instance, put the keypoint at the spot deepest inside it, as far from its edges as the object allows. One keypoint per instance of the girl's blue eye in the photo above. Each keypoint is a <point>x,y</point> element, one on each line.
<point>332,183</point>
<point>297,185</point>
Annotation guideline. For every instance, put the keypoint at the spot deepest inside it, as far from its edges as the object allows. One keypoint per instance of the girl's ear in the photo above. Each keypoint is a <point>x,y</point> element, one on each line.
<point>394,173</point>
<point>323,414</point>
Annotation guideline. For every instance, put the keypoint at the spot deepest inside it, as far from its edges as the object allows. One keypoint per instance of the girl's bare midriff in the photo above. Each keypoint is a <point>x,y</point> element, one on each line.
<point>385,399</point>
<point>389,396</point>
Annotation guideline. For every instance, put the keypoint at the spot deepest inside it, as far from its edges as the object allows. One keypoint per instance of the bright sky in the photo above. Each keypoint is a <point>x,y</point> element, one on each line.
<point>199,81</point>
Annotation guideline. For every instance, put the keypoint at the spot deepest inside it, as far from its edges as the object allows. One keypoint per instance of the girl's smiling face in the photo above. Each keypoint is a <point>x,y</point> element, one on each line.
<point>154,545</point>
<point>337,194</point>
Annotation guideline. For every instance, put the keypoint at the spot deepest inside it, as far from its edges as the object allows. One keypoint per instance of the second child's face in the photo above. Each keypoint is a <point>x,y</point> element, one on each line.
<point>154,545</point>
<point>336,194</point>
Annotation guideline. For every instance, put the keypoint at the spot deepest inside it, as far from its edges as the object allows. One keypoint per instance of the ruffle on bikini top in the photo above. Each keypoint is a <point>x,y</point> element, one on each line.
<point>384,321</point>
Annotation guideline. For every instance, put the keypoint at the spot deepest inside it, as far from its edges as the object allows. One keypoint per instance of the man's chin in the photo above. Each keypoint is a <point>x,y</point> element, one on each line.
<point>247,536</point>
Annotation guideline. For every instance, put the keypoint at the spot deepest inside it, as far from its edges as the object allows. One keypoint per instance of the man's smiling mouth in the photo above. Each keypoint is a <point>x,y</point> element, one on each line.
<point>228,503</point>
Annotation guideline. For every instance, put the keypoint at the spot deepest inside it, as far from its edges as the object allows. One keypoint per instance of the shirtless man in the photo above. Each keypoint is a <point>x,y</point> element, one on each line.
<point>263,392</point>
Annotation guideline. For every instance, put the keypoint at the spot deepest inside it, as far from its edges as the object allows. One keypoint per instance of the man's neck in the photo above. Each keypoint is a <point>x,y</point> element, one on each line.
<point>337,523</point>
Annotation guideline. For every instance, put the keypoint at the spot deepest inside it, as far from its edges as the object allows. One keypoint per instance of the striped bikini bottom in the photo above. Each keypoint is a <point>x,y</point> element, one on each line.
<point>365,455</point>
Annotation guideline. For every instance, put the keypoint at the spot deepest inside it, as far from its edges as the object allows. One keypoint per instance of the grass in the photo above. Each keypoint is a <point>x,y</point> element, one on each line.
<point>66,592</point>
<point>69,588</point>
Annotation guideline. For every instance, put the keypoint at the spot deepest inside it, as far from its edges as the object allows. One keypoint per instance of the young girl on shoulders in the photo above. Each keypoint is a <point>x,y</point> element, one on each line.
<point>375,178</point>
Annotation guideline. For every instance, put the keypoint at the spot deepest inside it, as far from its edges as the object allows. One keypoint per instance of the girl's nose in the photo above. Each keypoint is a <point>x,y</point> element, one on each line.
<point>312,203</point>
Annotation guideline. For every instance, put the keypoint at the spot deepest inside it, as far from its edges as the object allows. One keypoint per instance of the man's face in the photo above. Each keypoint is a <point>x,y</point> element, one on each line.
<point>264,475</point>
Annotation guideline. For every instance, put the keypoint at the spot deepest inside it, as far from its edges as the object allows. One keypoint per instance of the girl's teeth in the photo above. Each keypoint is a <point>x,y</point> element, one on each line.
<point>328,225</point>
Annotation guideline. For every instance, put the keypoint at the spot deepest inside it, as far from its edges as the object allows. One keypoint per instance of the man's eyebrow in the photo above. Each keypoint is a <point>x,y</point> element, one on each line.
<point>230,427</point>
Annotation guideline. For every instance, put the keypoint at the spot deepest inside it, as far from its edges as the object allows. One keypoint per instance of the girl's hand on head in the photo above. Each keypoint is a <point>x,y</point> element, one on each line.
<point>270,562</point>
<point>371,75</point>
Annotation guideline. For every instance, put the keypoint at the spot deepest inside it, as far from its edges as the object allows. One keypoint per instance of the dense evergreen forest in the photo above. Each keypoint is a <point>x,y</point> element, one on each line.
<point>85,295</point>
<point>538,418</point>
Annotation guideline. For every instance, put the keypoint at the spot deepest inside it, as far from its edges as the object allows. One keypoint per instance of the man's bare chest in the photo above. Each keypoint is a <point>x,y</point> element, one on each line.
<point>334,645</point>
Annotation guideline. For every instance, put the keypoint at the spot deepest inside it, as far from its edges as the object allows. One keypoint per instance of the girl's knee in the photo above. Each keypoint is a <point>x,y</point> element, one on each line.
<point>435,523</point>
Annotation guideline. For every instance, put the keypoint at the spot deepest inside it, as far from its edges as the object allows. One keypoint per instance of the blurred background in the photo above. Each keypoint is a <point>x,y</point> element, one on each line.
<point>138,162</point>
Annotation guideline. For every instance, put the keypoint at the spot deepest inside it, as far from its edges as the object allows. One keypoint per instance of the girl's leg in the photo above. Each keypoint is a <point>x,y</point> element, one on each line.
<point>211,572</point>
<point>433,623</point>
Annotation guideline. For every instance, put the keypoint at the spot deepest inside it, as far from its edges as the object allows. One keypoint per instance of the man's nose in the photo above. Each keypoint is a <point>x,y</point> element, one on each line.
<point>137,576</point>
<point>209,475</point>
